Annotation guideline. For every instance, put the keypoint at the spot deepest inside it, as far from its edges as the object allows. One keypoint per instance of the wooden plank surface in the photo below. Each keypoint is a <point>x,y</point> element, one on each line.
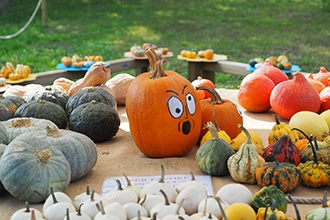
<point>120,155</point>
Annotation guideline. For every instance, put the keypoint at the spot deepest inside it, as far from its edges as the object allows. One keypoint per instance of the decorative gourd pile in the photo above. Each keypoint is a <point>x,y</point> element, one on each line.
<point>284,96</point>
<point>21,71</point>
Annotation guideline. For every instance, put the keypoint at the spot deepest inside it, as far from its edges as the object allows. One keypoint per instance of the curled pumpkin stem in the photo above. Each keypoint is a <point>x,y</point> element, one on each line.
<point>215,97</point>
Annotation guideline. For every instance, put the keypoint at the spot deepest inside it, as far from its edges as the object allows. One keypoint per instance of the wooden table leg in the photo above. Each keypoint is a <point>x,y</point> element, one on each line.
<point>194,70</point>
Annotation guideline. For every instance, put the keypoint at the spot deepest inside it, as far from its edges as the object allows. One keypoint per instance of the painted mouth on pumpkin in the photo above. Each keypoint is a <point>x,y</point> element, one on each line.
<point>186,126</point>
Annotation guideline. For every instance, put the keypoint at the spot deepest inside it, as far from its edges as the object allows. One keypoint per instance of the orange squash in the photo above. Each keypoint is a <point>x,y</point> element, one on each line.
<point>96,75</point>
<point>254,92</point>
<point>319,86</point>
<point>325,98</point>
<point>221,112</point>
<point>163,111</point>
<point>292,96</point>
<point>272,72</point>
<point>322,76</point>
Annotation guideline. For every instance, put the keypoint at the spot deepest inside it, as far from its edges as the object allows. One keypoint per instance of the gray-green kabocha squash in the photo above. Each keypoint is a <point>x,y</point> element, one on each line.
<point>20,125</point>
<point>3,134</point>
<point>88,94</point>
<point>79,149</point>
<point>30,166</point>
<point>51,94</point>
<point>12,102</point>
<point>212,156</point>
<point>95,119</point>
<point>5,114</point>
<point>44,109</point>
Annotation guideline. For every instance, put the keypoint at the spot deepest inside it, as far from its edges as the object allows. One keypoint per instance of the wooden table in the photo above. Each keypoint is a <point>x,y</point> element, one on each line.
<point>120,155</point>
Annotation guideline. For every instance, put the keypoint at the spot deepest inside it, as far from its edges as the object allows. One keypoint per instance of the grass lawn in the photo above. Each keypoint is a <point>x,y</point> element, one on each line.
<point>241,29</point>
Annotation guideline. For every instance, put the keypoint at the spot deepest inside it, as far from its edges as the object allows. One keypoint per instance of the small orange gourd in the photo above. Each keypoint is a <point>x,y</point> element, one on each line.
<point>292,96</point>
<point>222,112</point>
<point>164,113</point>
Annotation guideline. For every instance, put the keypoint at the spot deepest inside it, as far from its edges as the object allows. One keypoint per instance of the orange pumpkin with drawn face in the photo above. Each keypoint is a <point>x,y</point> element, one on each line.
<point>163,111</point>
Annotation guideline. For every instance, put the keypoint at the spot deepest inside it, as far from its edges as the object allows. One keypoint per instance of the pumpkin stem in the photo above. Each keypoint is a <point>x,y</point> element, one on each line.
<point>221,208</point>
<point>215,96</point>
<point>53,195</point>
<point>154,216</point>
<point>276,119</point>
<point>247,133</point>
<point>119,185</point>
<point>53,132</point>
<point>213,130</point>
<point>88,192</point>
<point>79,209</point>
<point>128,181</point>
<point>67,214</point>
<point>90,88</point>
<point>21,123</point>
<point>159,72</point>
<point>152,58</point>
<point>42,101</point>
<point>306,136</point>
<point>92,196</point>
<point>192,176</point>
<point>324,201</point>
<point>162,176</point>
<point>179,205</point>
<point>314,153</point>
<point>275,158</point>
<point>44,155</point>
<point>165,197</point>
<point>295,206</point>
<point>33,215</point>
<point>27,207</point>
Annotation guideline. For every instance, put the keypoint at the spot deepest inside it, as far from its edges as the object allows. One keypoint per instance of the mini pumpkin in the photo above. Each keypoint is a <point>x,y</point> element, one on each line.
<point>158,98</point>
<point>222,112</point>
<point>285,176</point>
<point>31,165</point>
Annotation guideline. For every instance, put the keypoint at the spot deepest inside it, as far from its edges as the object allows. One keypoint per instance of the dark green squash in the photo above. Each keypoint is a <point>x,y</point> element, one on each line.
<point>12,102</point>
<point>268,193</point>
<point>95,119</point>
<point>50,94</point>
<point>88,94</point>
<point>212,156</point>
<point>5,114</point>
<point>45,110</point>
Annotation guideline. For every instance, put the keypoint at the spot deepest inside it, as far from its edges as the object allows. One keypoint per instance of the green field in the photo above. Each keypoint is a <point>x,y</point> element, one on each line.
<point>241,29</point>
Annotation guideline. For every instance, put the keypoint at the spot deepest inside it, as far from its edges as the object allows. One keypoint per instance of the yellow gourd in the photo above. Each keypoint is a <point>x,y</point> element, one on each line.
<point>280,129</point>
<point>241,139</point>
<point>240,210</point>
<point>221,134</point>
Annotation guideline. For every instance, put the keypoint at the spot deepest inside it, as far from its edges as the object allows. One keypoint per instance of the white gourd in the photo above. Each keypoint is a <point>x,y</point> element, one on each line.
<point>26,213</point>
<point>55,197</point>
<point>211,205</point>
<point>191,196</point>
<point>90,206</point>
<point>57,211</point>
<point>115,208</point>
<point>82,197</point>
<point>121,195</point>
<point>188,183</point>
<point>132,210</point>
<point>149,201</point>
<point>76,215</point>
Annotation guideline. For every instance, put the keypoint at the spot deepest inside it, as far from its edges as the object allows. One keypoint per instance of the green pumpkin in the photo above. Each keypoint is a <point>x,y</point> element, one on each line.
<point>12,102</point>
<point>321,213</point>
<point>243,163</point>
<point>5,114</point>
<point>20,125</point>
<point>29,165</point>
<point>212,156</point>
<point>44,109</point>
<point>3,134</point>
<point>78,149</point>
<point>268,193</point>
<point>50,94</point>
<point>98,121</point>
<point>88,94</point>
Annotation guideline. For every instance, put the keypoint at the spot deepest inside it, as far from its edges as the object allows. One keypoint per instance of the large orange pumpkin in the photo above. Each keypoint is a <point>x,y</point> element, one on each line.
<point>272,72</point>
<point>222,112</point>
<point>325,98</point>
<point>254,92</point>
<point>163,111</point>
<point>292,96</point>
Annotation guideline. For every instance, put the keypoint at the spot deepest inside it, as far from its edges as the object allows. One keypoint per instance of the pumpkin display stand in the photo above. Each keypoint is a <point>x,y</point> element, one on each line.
<point>120,156</point>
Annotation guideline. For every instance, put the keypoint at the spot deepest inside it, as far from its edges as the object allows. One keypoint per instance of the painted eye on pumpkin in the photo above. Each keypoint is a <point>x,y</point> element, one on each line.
<point>191,104</point>
<point>175,107</point>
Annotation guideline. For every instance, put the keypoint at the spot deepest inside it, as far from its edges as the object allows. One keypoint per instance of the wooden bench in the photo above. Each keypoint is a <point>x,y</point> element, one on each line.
<point>195,69</point>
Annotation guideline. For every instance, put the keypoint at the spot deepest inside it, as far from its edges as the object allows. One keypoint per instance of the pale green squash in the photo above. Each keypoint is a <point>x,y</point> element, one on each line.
<point>29,165</point>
